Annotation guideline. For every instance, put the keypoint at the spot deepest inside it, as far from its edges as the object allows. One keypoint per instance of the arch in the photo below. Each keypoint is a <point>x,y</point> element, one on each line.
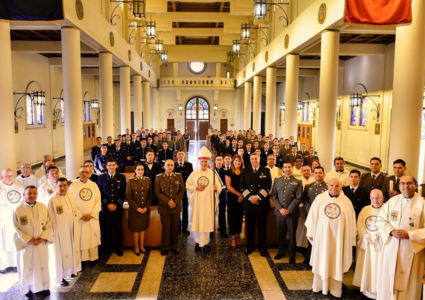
<point>197,117</point>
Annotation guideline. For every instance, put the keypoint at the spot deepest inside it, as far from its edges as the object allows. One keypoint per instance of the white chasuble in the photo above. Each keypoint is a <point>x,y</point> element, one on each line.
<point>33,221</point>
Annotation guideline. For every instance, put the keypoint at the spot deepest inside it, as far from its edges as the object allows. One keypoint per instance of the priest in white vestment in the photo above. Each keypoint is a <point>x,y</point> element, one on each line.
<point>369,246</point>
<point>203,199</point>
<point>401,224</point>
<point>48,188</point>
<point>11,196</point>
<point>87,197</point>
<point>26,178</point>
<point>34,231</point>
<point>47,161</point>
<point>331,229</point>
<point>66,248</point>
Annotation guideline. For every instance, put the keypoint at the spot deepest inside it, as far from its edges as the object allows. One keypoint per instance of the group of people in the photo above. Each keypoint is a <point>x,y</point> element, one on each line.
<point>328,214</point>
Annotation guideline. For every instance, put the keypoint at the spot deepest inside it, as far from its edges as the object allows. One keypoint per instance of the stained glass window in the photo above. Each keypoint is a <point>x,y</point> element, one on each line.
<point>63,111</point>
<point>363,112</point>
<point>197,108</point>
<point>305,117</point>
<point>87,111</point>
<point>353,115</point>
<point>30,110</point>
<point>35,113</point>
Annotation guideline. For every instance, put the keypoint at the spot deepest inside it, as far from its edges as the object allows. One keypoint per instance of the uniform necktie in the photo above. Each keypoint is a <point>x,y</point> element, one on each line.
<point>373,177</point>
<point>352,191</point>
<point>181,165</point>
<point>255,170</point>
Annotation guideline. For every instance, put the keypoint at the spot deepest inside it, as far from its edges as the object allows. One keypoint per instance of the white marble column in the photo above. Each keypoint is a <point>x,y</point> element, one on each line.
<point>238,104</point>
<point>137,98</point>
<point>125,102</point>
<point>8,158</point>
<point>291,95</point>
<point>72,95</point>
<point>256,105</point>
<point>328,92</point>
<point>155,108</point>
<point>247,107</point>
<point>270,122</point>
<point>106,95</point>
<point>147,111</point>
<point>408,87</point>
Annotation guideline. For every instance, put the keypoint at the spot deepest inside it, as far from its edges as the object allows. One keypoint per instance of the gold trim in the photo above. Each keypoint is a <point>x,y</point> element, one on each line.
<point>330,30</point>
<point>70,27</point>
<point>111,39</point>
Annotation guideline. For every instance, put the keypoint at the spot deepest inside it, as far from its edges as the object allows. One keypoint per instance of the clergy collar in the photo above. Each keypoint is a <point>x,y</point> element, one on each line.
<point>84,181</point>
<point>407,199</point>
<point>333,196</point>
<point>31,204</point>
<point>22,176</point>
<point>342,171</point>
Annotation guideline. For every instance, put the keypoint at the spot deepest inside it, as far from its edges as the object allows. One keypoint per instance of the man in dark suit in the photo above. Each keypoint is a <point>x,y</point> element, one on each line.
<point>303,151</point>
<point>152,169</point>
<point>96,149</point>
<point>399,168</point>
<point>359,197</point>
<point>165,153</point>
<point>234,148</point>
<point>287,195</point>
<point>119,156</point>
<point>290,157</point>
<point>308,159</point>
<point>130,151</point>
<point>222,204</point>
<point>221,146</point>
<point>255,184</point>
<point>150,144</point>
<point>141,152</point>
<point>279,159</point>
<point>185,169</point>
<point>110,145</point>
<point>374,179</point>
<point>93,176</point>
<point>112,187</point>
<point>263,157</point>
<point>101,159</point>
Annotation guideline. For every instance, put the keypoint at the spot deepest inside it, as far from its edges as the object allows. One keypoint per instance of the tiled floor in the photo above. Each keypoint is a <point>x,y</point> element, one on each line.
<point>221,274</point>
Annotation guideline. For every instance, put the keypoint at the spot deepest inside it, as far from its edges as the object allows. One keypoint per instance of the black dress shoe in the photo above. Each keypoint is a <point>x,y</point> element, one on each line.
<point>29,295</point>
<point>164,252</point>
<point>73,275</point>
<point>43,293</point>
<point>306,261</point>
<point>292,260</point>
<point>224,235</point>
<point>137,253</point>
<point>197,248</point>
<point>185,231</point>
<point>119,252</point>
<point>211,235</point>
<point>3,271</point>
<point>279,256</point>
<point>263,252</point>
<point>175,251</point>
<point>64,282</point>
<point>207,247</point>
<point>248,251</point>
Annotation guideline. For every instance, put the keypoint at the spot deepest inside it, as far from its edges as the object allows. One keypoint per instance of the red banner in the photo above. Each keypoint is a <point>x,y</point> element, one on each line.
<point>378,12</point>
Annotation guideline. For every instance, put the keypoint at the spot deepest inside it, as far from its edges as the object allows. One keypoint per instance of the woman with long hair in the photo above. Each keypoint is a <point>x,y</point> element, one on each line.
<point>139,196</point>
<point>234,200</point>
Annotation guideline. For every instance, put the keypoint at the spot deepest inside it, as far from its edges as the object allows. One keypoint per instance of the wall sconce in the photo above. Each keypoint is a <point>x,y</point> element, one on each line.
<point>164,56</point>
<point>356,100</point>
<point>37,97</point>
<point>215,108</point>
<point>246,32</point>
<point>261,7</point>
<point>137,7</point>
<point>236,46</point>
<point>300,105</point>
<point>180,109</point>
<point>94,104</point>
<point>282,108</point>
<point>230,57</point>
<point>151,30</point>
<point>159,45</point>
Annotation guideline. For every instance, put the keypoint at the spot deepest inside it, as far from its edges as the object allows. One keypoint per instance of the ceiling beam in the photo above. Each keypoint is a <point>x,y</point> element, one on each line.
<point>351,50</point>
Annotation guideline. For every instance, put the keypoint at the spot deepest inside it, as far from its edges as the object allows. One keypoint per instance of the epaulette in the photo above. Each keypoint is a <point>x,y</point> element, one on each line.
<point>159,174</point>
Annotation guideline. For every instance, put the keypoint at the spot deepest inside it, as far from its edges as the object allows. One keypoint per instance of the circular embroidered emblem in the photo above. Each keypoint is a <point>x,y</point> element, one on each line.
<point>86,194</point>
<point>203,180</point>
<point>13,196</point>
<point>322,13</point>
<point>266,56</point>
<point>371,223</point>
<point>129,55</point>
<point>111,39</point>
<point>286,41</point>
<point>79,9</point>
<point>332,211</point>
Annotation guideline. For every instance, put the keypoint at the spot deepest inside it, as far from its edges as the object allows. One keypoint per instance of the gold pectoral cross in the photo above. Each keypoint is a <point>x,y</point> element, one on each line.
<point>402,272</point>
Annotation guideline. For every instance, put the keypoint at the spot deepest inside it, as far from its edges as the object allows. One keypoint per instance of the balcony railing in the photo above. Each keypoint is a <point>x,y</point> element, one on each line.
<point>197,82</point>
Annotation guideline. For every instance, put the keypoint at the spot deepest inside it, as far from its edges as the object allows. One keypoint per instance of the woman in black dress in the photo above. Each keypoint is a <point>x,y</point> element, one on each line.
<point>234,201</point>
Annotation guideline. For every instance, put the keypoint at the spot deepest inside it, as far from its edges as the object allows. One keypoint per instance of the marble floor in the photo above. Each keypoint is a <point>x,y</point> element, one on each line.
<point>221,274</point>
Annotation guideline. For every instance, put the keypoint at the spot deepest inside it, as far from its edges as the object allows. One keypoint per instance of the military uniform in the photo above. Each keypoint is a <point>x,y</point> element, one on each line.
<point>290,158</point>
<point>120,158</point>
<point>95,151</point>
<point>303,153</point>
<point>112,190</point>
<point>369,183</point>
<point>283,151</point>
<point>221,147</point>
<point>100,162</point>
<point>169,188</point>
<point>151,170</point>
<point>163,155</point>
<point>111,148</point>
<point>279,161</point>
<point>141,154</point>
<point>153,147</point>
<point>309,159</point>
<point>259,184</point>
<point>185,170</point>
<point>130,150</point>
<point>287,193</point>
<point>139,194</point>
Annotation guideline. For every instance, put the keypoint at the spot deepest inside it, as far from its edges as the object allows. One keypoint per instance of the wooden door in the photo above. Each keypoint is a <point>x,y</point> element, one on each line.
<point>304,133</point>
<point>191,127</point>
<point>89,136</point>
<point>223,125</point>
<point>170,124</point>
<point>203,130</point>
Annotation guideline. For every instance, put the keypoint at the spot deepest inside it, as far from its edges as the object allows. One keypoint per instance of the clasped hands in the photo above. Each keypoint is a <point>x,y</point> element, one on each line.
<point>142,210</point>
<point>202,187</point>
<point>86,218</point>
<point>284,212</point>
<point>172,204</point>
<point>112,207</point>
<point>36,242</point>
<point>400,234</point>
<point>254,200</point>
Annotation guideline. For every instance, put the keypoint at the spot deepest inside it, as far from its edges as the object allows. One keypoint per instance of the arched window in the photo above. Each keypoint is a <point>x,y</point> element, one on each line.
<point>197,109</point>
<point>35,113</point>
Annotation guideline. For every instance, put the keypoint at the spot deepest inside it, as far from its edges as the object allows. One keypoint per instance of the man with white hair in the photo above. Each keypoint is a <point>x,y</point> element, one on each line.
<point>202,191</point>
<point>331,229</point>
<point>369,246</point>
<point>42,170</point>
<point>48,188</point>
<point>26,178</point>
<point>11,196</point>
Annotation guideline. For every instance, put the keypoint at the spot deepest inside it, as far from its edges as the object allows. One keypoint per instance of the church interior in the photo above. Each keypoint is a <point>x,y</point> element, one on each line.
<point>281,67</point>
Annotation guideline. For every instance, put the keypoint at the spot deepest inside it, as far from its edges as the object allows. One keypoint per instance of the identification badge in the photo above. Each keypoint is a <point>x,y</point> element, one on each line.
<point>59,209</point>
<point>262,175</point>
<point>23,220</point>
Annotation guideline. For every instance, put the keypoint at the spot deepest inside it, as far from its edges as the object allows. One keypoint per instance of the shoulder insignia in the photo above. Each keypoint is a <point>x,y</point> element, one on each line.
<point>159,175</point>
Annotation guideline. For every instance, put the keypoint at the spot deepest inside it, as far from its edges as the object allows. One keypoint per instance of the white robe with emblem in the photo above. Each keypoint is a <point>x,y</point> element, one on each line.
<point>33,261</point>
<point>42,172</point>
<point>26,181</point>
<point>368,255</point>
<point>402,264</point>
<point>46,191</point>
<point>87,197</point>
<point>331,222</point>
<point>66,248</point>
<point>11,196</point>
<point>202,205</point>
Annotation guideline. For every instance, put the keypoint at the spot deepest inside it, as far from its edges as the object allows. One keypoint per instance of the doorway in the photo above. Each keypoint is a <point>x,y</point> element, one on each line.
<point>89,136</point>
<point>170,124</point>
<point>304,134</point>
<point>223,125</point>
<point>197,118</point>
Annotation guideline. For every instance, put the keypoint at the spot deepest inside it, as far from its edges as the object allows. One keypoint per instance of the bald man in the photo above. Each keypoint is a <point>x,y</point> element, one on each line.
<point>11,195</point>
<point>26,178</point>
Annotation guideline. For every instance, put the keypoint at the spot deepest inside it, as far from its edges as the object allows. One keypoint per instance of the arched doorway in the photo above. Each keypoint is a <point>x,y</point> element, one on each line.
<point>197,118</point>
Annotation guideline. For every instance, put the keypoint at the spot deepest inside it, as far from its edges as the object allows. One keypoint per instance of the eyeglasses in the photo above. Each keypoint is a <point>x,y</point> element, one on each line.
<point>407,183</point>
<point>26,168</point>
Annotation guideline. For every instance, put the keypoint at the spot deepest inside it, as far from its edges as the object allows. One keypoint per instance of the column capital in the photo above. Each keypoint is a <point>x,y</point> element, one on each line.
<point>330,30</point>
<point>293,54</point>
<point>70,27</point>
